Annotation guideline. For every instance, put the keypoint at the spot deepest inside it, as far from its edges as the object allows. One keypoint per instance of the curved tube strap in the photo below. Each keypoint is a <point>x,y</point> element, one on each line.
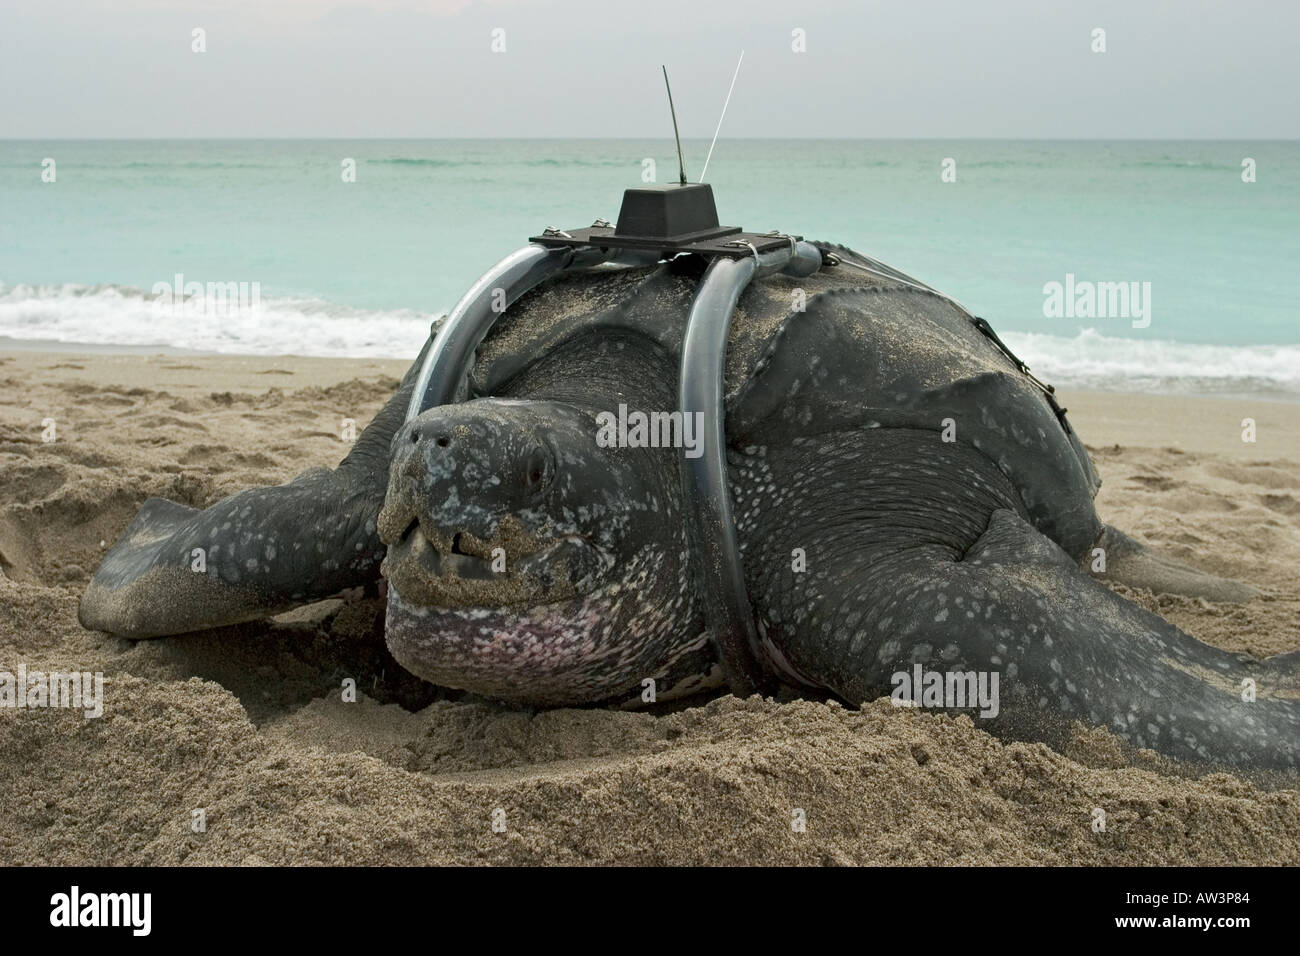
<point>707,497</point>
<point>445,365</point>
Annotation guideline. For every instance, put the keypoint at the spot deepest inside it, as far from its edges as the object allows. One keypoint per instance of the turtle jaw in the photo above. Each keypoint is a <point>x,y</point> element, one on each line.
<point>522,654</point>
<point>515,626</point>
<point>434,567</point>
<point>594,646</point>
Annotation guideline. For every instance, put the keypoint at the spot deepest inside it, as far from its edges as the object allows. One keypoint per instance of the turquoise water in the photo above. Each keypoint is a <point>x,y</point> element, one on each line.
<point>359,267</point>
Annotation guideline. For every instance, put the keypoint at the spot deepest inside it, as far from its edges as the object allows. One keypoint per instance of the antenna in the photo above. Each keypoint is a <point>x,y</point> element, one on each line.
<point>725,104</point>
<point>681,163</point>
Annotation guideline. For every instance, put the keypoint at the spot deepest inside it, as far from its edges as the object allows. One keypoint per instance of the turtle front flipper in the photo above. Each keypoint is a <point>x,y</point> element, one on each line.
<point>177,569</point>
<point>259,552</point>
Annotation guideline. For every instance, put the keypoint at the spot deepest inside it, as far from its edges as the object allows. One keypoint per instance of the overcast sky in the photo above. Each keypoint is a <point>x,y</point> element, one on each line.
<point>425,68</point>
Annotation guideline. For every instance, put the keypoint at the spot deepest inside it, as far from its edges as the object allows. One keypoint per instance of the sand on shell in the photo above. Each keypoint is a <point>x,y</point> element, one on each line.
<point>248,723</point>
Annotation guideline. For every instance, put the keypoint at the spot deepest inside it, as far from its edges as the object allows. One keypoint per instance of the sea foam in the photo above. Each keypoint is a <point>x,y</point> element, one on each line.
<point>1092,360</point>
<point>119,316</point>
<point>116,315</point>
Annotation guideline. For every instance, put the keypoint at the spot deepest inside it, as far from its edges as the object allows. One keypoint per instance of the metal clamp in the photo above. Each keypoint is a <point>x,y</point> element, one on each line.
<point>778,234</point>
<point>744,242</point>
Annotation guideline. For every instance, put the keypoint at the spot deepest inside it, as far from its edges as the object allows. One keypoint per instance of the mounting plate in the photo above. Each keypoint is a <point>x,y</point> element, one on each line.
<point>669,219</point>
<point>604,238</point>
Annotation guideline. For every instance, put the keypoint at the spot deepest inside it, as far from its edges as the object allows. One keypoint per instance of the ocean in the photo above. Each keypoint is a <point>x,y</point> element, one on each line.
<point>1203,258</point>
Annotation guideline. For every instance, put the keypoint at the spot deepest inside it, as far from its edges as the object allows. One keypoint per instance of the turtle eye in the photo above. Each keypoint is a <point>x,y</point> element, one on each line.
<point>536,471</point>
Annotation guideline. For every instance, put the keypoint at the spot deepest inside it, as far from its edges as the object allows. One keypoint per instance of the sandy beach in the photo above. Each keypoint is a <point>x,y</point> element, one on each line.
<point>247,724</point>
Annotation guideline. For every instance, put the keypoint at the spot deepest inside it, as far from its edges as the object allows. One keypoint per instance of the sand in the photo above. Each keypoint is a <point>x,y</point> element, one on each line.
<point>248,724</point>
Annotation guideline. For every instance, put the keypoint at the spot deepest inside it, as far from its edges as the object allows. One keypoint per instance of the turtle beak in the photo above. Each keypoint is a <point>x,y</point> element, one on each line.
<point>462,468</point>
<point>465,516</point>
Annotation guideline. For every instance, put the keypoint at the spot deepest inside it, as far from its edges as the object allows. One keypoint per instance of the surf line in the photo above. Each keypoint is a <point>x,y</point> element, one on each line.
<point>637,429</point>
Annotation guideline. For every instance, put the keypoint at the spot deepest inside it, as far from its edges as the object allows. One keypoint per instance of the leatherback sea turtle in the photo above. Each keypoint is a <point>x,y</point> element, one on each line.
<point>904,494</point>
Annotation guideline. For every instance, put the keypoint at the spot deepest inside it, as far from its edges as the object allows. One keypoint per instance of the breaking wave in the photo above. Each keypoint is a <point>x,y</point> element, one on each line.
<point>121,316</point>
<point>1091,360</point>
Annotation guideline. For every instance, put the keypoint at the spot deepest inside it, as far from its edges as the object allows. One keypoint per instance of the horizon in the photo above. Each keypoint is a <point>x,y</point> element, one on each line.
<point>685,139</point>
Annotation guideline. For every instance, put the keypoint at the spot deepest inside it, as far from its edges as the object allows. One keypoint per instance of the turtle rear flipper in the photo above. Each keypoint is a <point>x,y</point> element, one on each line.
<point>925,573</point>
<point>259,552</point>
<point>1012,633</point>
<point>1132,563</point>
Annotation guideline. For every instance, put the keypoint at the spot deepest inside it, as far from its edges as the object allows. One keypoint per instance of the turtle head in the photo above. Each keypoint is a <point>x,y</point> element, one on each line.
<point>525,561</point>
